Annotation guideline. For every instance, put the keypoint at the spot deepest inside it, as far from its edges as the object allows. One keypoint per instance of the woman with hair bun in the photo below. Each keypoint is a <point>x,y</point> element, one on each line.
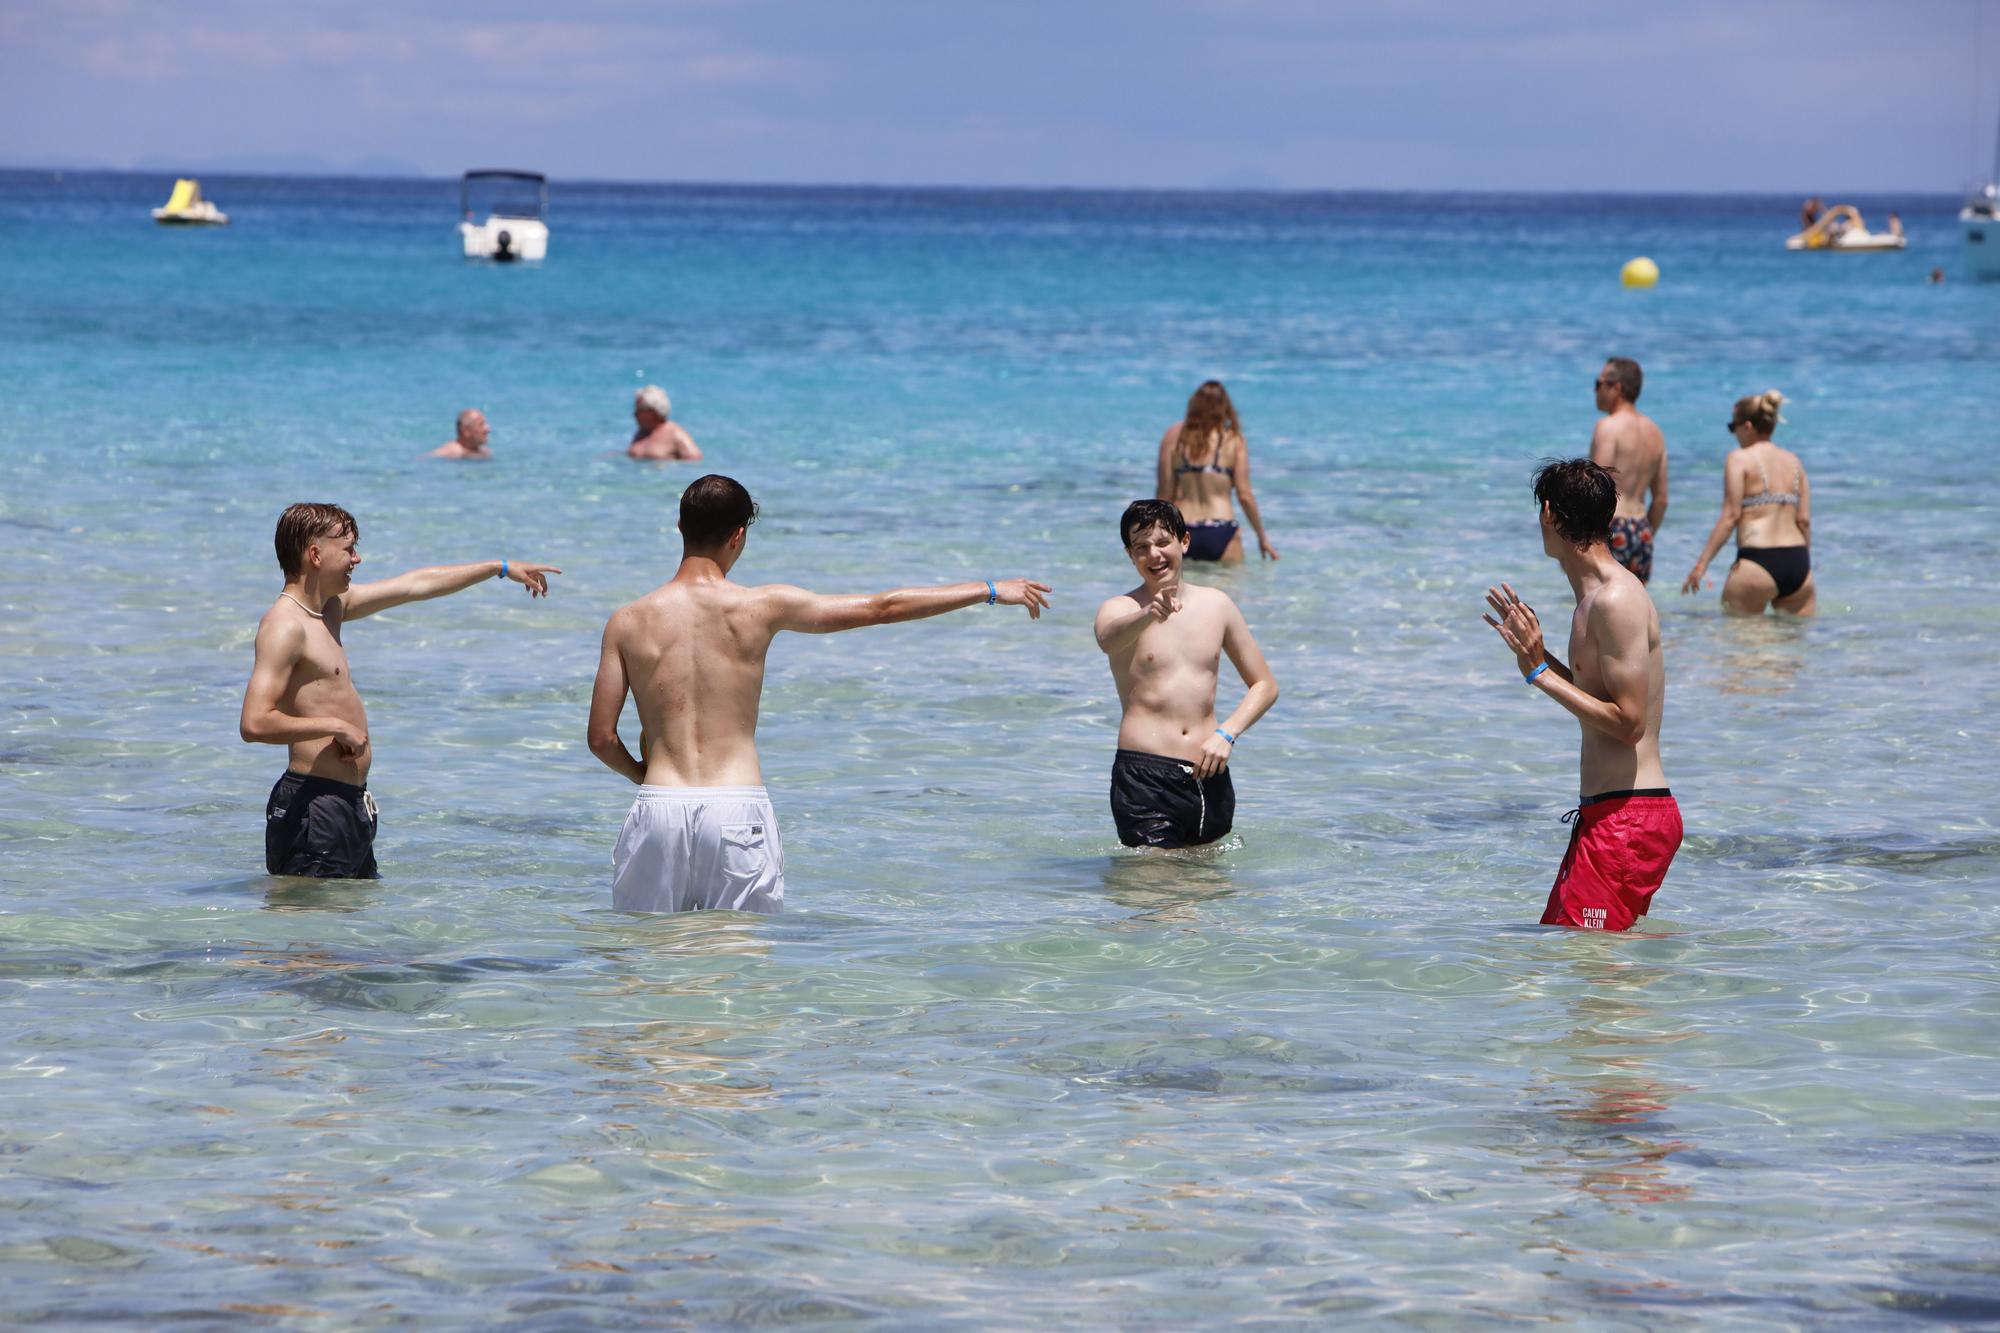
<point>1773,528</point>
<point>1204,457</point>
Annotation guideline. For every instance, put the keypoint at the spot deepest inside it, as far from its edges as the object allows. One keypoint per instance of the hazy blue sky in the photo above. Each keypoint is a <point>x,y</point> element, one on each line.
<point>1781,95</point>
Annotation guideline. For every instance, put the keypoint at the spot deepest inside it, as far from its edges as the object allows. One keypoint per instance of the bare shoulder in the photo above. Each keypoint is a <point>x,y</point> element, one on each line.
<point>1172,434</point>
<point>1621,605</point>
<point>1209,603</point>
<point>280,632</point>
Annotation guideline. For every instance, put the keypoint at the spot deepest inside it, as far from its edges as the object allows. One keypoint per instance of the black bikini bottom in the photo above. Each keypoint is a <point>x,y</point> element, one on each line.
<point>1787,565</point>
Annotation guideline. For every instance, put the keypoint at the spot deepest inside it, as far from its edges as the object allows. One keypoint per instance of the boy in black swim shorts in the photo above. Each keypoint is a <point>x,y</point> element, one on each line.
<point>320,819</point>
<point>1170,784</point>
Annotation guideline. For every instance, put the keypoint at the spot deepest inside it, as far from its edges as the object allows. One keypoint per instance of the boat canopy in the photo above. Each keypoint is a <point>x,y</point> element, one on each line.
<point>509,208</point>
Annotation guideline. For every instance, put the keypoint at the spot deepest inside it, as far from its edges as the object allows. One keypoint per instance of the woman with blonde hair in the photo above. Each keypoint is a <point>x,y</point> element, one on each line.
<point>1203,458</point>
<point>1773,529</point>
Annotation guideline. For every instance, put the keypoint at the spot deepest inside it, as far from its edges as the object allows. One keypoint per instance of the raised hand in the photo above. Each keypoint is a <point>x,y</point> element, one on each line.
<point>1024,592</point>
<point>1518,625</point>
<point>1165,602</point>
<point>532,576</point>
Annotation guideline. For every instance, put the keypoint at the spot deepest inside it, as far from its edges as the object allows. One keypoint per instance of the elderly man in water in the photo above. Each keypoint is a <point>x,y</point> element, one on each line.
<point>470,441</point>
<point>657,436</point>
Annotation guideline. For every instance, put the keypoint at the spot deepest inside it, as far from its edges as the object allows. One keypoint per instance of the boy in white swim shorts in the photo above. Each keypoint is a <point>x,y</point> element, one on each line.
<point>687,848</point>
<point>702,833</point>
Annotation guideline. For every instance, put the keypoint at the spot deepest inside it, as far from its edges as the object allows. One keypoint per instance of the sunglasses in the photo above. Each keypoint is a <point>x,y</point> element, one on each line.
<point>1735,426</point>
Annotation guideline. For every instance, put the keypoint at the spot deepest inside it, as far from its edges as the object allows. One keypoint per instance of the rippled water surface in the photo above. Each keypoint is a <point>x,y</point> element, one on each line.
<point>988,1070</point>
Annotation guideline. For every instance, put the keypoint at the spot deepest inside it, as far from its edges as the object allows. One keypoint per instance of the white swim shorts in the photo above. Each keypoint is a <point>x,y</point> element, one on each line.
<point>687,848</point>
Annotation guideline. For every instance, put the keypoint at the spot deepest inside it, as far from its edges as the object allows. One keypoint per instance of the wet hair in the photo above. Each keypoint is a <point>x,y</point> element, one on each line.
<point>1210,420</point>
<point>1142,515</point>
<point>303,524</point>
<point>1581,497</point>
<point>1624,372</point>
<point>712,509</point>
<point>1760,410</point>
<point>654,399</point>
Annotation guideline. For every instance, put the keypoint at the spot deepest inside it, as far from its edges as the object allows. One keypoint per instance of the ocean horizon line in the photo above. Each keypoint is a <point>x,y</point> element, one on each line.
<point>964,188</point>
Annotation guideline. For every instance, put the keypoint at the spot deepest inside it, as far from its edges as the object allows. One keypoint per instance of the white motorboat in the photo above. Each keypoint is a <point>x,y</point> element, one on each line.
<point>1980,220</point>
<point>186,208</point>
<point>513,227</point>
<point>1842,231</point>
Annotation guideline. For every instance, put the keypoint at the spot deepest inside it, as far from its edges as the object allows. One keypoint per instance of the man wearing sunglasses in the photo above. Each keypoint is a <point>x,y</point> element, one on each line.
<point>1628,445</point>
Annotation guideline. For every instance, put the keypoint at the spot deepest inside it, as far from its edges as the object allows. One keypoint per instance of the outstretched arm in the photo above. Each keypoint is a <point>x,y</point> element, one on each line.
<point>280,643</point>
<point>420,585</point>
<point>816,613</point>
<point>1262,692</point>
<point>607,701</point>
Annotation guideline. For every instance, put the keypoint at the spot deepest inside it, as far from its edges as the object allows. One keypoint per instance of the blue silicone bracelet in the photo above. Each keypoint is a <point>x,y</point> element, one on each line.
<point>1529,679</point>
<point>1225,735</point>
<point>992,592</point>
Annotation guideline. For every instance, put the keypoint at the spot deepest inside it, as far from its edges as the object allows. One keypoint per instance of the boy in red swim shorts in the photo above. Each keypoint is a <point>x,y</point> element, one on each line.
<point>1627,826</point>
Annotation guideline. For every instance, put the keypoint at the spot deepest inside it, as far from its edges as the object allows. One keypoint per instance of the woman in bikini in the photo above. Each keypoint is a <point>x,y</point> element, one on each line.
<point>1202,459</point>
<point>1773,528</point>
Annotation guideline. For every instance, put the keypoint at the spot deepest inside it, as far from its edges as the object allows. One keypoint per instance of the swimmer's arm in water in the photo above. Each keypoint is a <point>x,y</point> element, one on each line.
<point>1166,485</point>
<point>1733,480</point>
<point>280,644</point>
<point>1249,498</point>
<point>1123,618</point>
<point>607,701</point>
<point>420,585</point>
<point>806,612</point>
<point>1262,692</point>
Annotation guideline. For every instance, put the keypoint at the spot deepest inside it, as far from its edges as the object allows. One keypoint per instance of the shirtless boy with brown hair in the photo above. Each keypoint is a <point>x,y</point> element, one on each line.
<point>320,819</point>
<point>1630,446</point>
<point>702,832</point>
<point>1627,825</point>
<point>1170,784</point>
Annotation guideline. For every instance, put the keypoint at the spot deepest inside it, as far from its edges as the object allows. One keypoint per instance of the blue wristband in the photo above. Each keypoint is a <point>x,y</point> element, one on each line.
<point>1225,735</point>
<point>992,592</point>
<point>503,569</point>
<point>1529,679</point>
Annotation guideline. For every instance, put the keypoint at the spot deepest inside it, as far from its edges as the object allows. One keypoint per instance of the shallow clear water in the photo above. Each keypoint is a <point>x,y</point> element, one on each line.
<point>989,1069</point>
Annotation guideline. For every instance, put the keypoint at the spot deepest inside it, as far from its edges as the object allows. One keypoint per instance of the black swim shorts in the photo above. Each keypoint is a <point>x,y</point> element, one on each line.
<point>319,827</point>
<point>1157,802</point>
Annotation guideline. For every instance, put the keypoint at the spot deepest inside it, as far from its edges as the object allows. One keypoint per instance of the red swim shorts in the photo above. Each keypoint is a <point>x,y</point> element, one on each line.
<point>1619,851</point>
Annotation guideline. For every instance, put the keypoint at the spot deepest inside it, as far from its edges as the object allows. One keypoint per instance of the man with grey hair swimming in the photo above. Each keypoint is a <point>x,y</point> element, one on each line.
<point>470,441</point>
<point>656,436</point>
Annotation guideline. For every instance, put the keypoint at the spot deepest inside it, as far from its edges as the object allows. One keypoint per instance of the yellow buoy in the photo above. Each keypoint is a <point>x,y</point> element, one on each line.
<point>1640,272</point>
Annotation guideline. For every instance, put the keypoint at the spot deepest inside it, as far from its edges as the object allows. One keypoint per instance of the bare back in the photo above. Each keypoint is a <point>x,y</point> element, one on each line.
<point>1632,447</point>
<point>693,654</point>
<point>1614,651</point>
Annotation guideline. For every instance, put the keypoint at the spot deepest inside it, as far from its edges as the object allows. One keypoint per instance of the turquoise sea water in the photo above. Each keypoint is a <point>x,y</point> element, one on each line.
<point>988,1070</point>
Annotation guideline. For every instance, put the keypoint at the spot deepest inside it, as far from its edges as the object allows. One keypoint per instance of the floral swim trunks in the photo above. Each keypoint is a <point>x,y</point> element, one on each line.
<point>1632,545</point>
